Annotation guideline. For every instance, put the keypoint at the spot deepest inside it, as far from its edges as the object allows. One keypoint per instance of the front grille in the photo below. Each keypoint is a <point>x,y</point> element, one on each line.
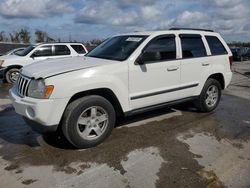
<point>23,85</point>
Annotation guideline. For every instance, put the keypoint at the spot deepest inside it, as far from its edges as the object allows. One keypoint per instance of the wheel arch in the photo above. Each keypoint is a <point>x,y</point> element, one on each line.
<point>220,78</point>
<point>103,92</point>
<point>11,67</point>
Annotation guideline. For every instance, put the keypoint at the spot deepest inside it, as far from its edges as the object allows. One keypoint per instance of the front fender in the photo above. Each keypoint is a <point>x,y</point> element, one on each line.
<point>68,84</point>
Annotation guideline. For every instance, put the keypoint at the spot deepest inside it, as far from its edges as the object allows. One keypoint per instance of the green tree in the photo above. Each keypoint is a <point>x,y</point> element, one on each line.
<point>15,37</point>
<point>41,36</point>
<point>3,38</point>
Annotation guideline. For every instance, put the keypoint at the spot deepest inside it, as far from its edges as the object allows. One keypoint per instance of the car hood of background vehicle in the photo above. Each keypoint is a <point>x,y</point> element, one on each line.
<point>12,60</point>
<point>9,57</point>
<point>53,67</point>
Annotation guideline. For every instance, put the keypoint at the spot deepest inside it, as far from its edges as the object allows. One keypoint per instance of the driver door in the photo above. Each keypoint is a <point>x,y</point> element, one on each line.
<point>156,78</point>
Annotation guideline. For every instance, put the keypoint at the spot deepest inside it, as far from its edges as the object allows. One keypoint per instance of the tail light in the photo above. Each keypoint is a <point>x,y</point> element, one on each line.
<point>231,62</point>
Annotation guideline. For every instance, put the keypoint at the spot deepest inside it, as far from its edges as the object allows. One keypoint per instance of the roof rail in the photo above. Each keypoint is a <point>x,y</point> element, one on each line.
<point>179,28</point>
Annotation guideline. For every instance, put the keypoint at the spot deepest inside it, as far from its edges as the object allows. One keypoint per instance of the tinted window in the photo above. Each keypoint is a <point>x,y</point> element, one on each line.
<point>79,49</point>
<point>62,50</point>
<point>118,47</point>
<point>192,46</point>
<point>216,47</point>
<point>43,51</point>
<point>160,49</point>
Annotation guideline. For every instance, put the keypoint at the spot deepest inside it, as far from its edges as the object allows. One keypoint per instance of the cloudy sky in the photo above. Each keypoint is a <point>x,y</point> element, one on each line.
<point>87,19</point>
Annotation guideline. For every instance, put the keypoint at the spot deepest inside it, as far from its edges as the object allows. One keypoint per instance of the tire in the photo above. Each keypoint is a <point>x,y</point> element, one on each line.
<point>11,75</point>
<point>84,123</point>
<point>206,104</point>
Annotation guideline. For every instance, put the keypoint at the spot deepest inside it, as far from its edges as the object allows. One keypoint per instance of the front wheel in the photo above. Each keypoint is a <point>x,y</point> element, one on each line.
<point>88,121</point>
<point>209,97</point>
<point>11,75</point>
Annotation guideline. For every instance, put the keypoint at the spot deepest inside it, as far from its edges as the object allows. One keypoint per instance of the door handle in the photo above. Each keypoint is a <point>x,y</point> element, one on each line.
<point>172,68</point>
<point>205,64</point>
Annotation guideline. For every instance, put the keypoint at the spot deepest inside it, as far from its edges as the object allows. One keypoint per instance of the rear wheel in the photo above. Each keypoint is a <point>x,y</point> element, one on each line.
<point>209,97</point>
<point>88,121</point>
<point>11,75</point>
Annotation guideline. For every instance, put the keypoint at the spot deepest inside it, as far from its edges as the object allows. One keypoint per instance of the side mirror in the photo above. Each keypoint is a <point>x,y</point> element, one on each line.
<point>140,60</point>
<point>35,54</point>
<point>32,56</point>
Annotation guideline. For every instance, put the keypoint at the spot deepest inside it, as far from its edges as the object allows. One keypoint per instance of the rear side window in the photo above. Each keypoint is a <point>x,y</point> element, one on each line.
<point>79,49</point>
<point>160,49</point>
<point>62,50</point>
<point>192,46</point>
<point>215,45</point>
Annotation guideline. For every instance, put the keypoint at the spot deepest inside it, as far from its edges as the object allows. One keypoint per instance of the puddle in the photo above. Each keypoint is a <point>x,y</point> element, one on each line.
<point>141,168</point>
<point>228,159</point>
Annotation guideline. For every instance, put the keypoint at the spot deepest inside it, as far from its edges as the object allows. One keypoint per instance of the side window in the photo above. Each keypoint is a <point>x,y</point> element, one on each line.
<point>62,50</point>
<point>192,46</point>
<point>215,45</point>
<point>160,49</point>
<point>43,51</point>
<point>79,49</point>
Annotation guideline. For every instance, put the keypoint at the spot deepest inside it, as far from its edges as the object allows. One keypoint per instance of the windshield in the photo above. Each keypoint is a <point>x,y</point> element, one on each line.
<point>117,48</point>
<point>25,51</point>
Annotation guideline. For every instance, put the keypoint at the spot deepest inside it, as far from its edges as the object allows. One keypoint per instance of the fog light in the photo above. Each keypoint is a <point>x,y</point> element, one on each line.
<point>30,112</point>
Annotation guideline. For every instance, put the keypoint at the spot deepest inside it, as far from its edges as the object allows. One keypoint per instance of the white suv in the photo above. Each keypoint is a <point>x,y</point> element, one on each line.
<point>10,65</point>
<point>126,74</point>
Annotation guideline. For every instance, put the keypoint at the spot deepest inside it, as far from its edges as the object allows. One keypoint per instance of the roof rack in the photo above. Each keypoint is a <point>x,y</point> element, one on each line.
<point>59,42</point>
<point>179,28</point>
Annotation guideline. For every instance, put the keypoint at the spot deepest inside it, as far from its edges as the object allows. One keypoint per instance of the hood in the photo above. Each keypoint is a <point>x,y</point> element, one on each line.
<point>12,60</point>
<point>53,67</point>
<point>9,57</point>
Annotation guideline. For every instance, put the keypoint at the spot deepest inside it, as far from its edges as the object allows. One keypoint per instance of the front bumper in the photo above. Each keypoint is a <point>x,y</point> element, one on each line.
<point>39,113</point>
<point>39,127</point>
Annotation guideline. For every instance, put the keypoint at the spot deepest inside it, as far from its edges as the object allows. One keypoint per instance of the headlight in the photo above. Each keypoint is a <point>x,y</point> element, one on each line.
<point>1,62</point>
<point>38,89</point>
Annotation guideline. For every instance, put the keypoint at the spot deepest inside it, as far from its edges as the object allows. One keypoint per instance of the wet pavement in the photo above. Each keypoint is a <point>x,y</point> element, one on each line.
<point>175,147</point>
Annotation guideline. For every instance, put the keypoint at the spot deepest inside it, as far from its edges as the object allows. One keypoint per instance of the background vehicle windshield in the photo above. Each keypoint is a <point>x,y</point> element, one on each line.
<point>8,52</point>
<point>117,48</point>
<point>25,51</point>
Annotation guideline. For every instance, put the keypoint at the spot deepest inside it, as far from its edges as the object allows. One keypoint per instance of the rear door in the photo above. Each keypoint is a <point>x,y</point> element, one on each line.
<point>195,64</point>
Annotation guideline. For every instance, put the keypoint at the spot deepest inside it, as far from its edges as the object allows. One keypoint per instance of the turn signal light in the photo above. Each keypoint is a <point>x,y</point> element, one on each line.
<point>48,91</point>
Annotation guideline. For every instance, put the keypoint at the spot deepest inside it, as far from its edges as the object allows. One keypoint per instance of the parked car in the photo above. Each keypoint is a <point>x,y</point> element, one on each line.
<point>13,51</point>
<point>126,74</point>
<point>241,54</point>
<point>10,65</point>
